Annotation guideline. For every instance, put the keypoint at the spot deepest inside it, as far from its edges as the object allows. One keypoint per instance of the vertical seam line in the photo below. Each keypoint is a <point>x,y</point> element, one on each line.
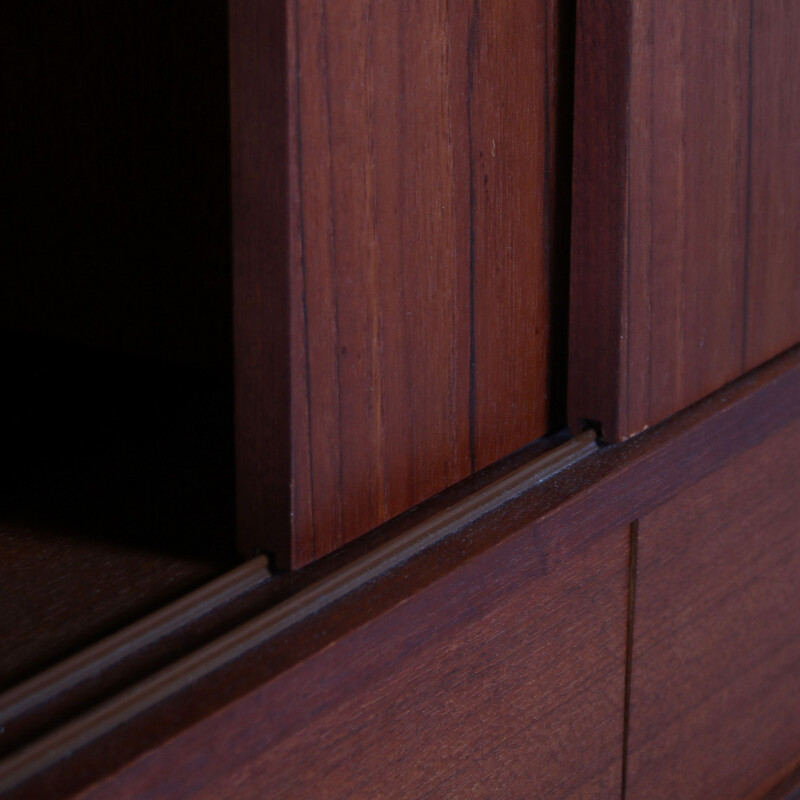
<point>633,553</point>
<point>301,226</point>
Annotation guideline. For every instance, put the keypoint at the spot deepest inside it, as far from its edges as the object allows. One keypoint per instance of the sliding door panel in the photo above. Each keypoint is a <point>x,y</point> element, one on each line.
<point>394,195</point>
<point>684,271</point>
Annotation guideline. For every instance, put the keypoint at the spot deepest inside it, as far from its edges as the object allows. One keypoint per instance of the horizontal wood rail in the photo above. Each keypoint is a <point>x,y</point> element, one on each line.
<point>565,498</point>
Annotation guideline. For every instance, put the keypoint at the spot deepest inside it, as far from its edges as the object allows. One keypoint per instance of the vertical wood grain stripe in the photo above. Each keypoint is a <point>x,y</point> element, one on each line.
<point>772,322</point>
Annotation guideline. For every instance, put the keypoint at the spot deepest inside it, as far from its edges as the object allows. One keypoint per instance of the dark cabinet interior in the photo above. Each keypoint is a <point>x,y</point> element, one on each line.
<point>115,319</point>
<point>116,165</point>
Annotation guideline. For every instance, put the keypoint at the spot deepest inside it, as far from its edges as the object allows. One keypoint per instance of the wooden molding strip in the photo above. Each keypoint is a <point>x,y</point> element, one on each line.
<point>115,712</point>
<point>74,672</point>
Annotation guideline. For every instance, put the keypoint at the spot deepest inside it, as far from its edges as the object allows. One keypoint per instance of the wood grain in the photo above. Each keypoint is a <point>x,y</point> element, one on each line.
<point>512,106</point>
<point>716,651</point>
<point>773,273</point>
<point>507,674</point>
<point>393,192</point>
<point>679,251</point>
<point>599,209</point>
<point>602,492</point>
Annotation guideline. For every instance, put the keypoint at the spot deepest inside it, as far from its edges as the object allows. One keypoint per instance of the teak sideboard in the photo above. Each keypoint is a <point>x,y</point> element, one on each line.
<point>402,399</point>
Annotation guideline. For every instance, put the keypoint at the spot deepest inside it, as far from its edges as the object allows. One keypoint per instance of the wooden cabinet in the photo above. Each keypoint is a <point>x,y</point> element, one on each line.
<point>427,258</point>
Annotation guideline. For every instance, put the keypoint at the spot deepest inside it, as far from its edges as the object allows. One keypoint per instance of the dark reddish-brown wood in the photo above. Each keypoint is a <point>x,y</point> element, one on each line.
<point>715,706</point>
<point>398,205</point>
<point>788,788</point>
<point>507,674</point>
<point>683,246</point>
<point>517,281</point>
<point>394,174</point>
<point>61,592</point>
<point>563,516</point>
<point>84,678</point>
<point>773,264</point>
<point>599,205</point>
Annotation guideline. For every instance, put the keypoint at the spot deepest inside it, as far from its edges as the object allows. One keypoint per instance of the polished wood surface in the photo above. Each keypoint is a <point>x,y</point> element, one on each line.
<point>684,271</point>
<point>599,210</point>
<point>773,272</point>
<point>395,200</point>
<point>579,618</point>
<point>505,677</point>
<point>603,491</point>
<point>715,708</point>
